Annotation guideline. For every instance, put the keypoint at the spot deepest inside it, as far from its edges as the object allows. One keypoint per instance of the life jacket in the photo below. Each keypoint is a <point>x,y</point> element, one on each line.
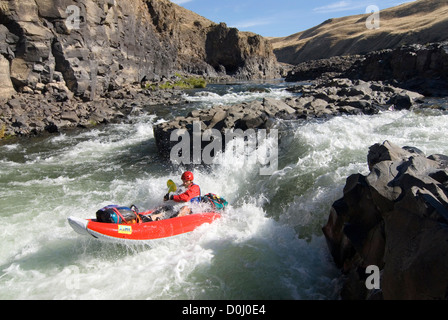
<point>198,198</point>
<point>184,197</point>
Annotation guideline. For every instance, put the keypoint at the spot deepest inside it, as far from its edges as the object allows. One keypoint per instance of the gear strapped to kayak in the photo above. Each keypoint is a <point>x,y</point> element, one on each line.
<point>117,214</point>
<point>217,202</point>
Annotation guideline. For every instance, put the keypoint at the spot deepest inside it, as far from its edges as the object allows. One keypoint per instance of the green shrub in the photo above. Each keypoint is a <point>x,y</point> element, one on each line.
<point>181,83</point>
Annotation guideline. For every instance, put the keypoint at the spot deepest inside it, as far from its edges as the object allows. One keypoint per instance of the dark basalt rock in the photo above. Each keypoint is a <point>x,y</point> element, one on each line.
<point>395,218</point>
<point>420,68</point>
<point>324,99</point>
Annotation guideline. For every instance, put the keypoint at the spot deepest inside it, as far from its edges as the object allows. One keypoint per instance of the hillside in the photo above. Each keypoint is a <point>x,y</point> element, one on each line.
<point>422,21</point>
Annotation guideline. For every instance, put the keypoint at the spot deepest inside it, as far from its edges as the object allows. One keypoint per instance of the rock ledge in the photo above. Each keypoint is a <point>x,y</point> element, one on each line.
<point>395,218</point>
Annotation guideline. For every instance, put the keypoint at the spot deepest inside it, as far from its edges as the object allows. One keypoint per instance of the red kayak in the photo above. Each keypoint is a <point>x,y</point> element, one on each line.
<point>141,231</point>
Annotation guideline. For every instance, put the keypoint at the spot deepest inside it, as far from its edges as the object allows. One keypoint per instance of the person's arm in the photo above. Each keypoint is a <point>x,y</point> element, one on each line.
<point>192,192</point>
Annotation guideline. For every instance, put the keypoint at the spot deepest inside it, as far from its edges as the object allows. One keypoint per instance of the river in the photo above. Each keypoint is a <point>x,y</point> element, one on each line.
<point>268,245</point>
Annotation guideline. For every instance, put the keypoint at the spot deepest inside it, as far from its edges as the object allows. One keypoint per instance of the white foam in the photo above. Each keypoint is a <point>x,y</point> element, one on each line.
<point>10,147</point>
<point>229,98</point>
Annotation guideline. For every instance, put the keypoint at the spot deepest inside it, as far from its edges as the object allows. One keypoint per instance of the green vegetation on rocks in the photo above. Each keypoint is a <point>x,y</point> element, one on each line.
<point>179,82</point>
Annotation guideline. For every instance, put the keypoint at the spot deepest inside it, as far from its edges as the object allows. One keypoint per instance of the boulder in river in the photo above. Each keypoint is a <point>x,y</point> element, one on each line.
<point>323,99</point>
<point>395,218</point>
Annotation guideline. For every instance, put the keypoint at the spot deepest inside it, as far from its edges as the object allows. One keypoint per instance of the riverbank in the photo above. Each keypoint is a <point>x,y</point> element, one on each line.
<point>55,109</point>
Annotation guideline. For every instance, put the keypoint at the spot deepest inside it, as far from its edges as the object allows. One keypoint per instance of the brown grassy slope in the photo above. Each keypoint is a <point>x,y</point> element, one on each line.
<point>421,21</point>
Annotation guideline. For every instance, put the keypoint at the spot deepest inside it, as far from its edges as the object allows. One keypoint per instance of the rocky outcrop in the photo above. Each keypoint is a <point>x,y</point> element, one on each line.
<point>213,50</point>
<point>245,55</point>
<point>251,115</point>
<point>344,96</point>
<point>394,218</point>
<point>90,46</point>
<point>95,46</point>
<point>421,68</point>
<point>323,68</point>
<point>323,99</point>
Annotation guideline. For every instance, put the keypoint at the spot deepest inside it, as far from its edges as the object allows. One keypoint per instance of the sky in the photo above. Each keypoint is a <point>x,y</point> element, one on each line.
<point>279,18</point>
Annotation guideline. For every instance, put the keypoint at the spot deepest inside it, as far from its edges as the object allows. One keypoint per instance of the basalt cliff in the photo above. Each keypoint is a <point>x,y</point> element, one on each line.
<point>55,51</point>
<point>97,45</point>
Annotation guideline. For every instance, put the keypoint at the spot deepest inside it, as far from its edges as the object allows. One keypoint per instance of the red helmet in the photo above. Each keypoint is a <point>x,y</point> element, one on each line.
<point>187,176</point>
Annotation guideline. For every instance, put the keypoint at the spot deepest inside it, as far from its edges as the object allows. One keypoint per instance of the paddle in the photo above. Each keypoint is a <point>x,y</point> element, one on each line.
<point>171,186</point>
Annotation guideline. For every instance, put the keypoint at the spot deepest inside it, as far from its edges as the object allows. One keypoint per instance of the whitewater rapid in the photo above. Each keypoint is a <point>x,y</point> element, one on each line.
<point>268,245</point>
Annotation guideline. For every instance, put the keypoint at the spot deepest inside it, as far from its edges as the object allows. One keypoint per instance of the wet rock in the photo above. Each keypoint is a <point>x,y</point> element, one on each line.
<point>323,99</point>
<point>253,115</point>
<point>395,218</point>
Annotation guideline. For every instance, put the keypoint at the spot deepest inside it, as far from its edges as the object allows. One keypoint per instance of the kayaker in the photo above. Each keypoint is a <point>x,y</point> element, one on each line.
<point>192,190</point>
<point>191,194</point>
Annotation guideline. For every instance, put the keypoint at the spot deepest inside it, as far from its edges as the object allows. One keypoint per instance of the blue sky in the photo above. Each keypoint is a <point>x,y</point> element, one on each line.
<point>278,18</point>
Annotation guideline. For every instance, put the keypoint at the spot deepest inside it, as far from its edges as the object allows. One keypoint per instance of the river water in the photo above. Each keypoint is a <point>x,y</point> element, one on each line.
<point>268,245</point>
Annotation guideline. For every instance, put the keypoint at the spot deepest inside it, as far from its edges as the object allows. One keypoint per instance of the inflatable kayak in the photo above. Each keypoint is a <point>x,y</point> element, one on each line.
<point>141,231</point>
